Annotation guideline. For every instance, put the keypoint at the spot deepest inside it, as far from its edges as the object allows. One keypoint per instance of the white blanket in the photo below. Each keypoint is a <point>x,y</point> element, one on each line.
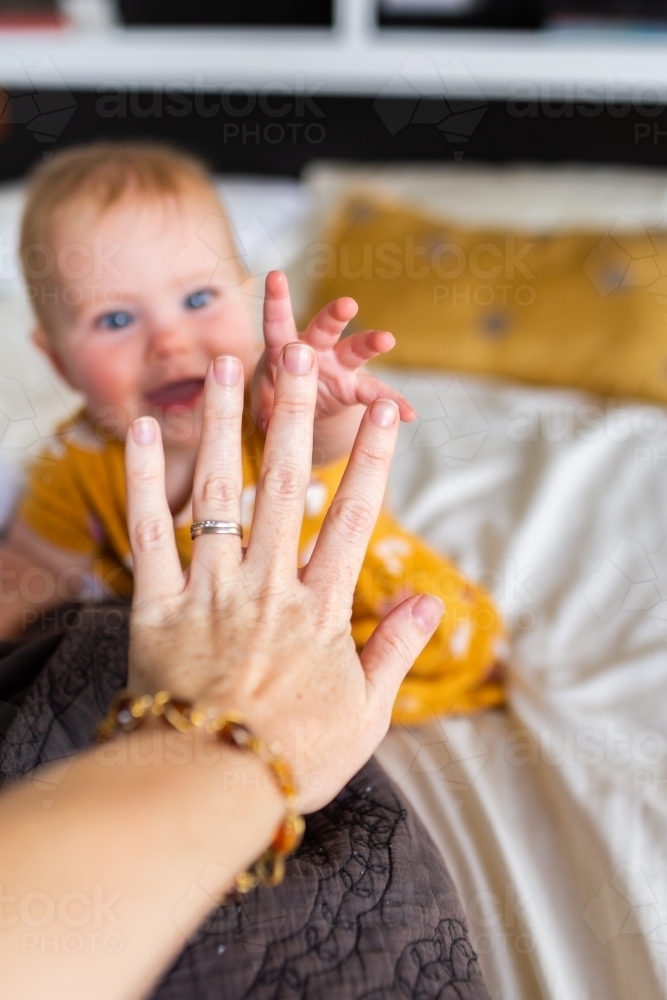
<point>552,814</point>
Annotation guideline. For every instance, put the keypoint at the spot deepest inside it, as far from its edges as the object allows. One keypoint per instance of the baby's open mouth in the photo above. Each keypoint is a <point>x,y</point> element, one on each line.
<point>186,392</point>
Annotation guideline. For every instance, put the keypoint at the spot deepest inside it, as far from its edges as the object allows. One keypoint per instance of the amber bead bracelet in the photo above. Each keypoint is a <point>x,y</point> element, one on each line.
<point>127,711</point>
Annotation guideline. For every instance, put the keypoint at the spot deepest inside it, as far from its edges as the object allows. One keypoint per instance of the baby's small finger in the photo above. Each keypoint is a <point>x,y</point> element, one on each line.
<point>355,351</point>
<point>278,318</point>
<point>261,396</point>
<point>406,410</point>
<point>323,331</point>
<point>370,388</point>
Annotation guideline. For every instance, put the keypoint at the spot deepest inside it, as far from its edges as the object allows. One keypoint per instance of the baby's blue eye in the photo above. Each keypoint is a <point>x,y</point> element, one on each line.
<point>115,320</point>
<point>199,299</point>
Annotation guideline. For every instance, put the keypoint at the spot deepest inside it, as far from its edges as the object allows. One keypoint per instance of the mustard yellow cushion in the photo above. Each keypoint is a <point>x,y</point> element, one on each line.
<point>582,309</point>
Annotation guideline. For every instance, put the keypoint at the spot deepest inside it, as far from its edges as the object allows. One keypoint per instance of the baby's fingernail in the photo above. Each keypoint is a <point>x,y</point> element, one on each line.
<point>384,412</point>
<point>143,430</point>
<point>298,358</point>
<point>227,370</point>
<point>428,611</point>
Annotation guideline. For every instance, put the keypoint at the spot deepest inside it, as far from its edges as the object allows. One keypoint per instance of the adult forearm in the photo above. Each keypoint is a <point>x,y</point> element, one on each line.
<point>144,835</point>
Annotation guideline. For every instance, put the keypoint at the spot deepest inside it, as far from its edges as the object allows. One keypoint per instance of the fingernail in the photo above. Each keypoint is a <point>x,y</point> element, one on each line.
<point>298,358</point>
<point>227,369</point>
<point>384,412</point>
<point>143,430</point>
<point>428,611</point>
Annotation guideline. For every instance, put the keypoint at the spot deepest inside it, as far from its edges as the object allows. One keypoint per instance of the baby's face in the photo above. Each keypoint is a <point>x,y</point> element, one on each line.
<point>147,295</point>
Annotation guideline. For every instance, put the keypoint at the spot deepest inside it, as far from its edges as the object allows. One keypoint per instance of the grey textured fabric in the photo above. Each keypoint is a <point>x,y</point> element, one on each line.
<point>367,908</point>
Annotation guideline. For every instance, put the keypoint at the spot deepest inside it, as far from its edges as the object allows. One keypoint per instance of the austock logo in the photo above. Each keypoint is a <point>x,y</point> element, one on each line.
<point>631,902</point>
<point>44,112</point>
<point>419,94</point>
<point>252,250</point>
<point>631,580</point>
<point>626,258</point>
<point>427,749</point>
<point>448,422</point>
<point>27,417</point>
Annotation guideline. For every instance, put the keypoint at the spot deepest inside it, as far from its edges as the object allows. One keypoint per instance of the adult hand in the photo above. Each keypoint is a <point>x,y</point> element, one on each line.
<point>243,629</point>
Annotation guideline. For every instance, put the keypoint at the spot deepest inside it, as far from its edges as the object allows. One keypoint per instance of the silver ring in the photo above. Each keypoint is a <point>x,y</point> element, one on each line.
<point>215,528</point>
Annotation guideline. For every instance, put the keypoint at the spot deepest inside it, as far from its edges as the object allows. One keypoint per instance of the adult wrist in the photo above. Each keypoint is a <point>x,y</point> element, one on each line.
<point>231,735</point>
<point>215,812</point>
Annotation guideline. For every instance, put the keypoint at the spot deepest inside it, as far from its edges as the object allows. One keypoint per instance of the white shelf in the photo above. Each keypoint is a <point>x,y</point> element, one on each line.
<point>348,60</point>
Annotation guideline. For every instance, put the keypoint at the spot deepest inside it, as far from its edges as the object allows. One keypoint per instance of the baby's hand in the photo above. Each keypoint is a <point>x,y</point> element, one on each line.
<point>343,382</point>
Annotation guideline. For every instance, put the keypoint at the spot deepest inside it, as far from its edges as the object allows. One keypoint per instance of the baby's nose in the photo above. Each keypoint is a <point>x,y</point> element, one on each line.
<point>166,340</point>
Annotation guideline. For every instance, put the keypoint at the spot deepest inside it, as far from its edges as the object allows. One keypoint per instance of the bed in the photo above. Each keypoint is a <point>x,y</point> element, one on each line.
<point>551,814</point>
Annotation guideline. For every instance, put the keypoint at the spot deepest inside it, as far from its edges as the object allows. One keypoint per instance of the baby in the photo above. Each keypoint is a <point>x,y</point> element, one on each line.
<point>136,285</point>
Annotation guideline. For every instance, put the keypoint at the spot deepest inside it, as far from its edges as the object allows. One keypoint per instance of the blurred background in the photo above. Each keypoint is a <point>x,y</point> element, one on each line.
<point>267,87</point>
<point>371,124</point>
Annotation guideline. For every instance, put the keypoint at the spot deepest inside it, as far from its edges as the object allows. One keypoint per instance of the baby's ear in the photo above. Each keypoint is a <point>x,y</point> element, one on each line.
<point>44,343</point>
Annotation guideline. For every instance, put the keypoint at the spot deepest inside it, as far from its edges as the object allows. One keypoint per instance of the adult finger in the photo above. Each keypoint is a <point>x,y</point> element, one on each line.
<point>395,645</point>
<point>157,569</point>
<point>287,463</point>
<point>218,479</point>
<point>324,330</point>
<point>278,318</point>
<point>339,553</point>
